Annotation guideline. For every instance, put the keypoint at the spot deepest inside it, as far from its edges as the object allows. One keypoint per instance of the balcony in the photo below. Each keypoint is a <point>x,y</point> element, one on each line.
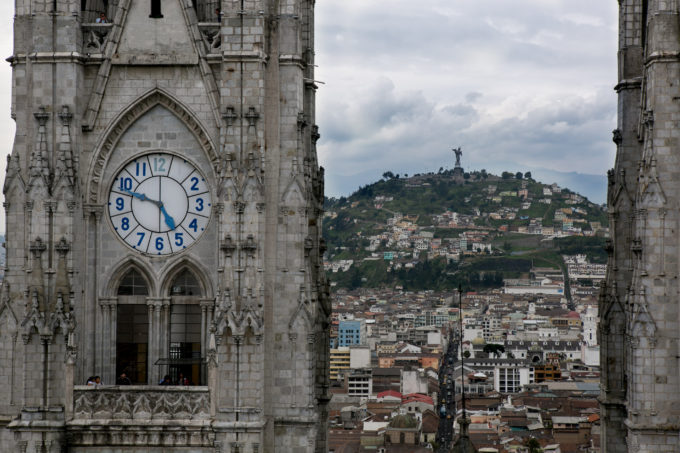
<point>140,415</point>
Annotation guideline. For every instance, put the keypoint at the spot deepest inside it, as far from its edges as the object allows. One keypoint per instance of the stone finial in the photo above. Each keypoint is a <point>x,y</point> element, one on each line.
<point>227,245</point>
<point>252,116</point>
<point>39,166</point>
<point>62,247</point>
<point>249,246</point>
<point>229,115</point>
<point>37,247</point>
<point>309,244</point>
<point>301,121</point>
<point>239,207</point>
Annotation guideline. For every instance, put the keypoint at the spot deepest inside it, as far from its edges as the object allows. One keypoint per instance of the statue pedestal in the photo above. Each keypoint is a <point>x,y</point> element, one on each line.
<point>458,175</point>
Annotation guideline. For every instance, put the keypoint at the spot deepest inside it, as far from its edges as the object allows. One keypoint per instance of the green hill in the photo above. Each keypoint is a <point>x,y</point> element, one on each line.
<point>383,228</point>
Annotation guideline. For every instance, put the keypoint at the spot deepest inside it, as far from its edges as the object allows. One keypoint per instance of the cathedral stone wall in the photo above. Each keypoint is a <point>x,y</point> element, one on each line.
<point>639,300</point>
<point>235,99</point>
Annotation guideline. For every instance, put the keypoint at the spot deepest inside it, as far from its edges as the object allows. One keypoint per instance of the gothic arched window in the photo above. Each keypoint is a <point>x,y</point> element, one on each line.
<point>185,284</point>
<point>132,327</point>
<point>133,284</point>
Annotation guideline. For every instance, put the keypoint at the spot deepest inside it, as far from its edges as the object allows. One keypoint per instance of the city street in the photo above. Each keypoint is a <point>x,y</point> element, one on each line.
<point>447,398</point>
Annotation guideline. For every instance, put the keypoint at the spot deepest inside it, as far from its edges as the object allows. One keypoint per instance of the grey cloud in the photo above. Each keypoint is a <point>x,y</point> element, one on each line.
<point>547,98</point>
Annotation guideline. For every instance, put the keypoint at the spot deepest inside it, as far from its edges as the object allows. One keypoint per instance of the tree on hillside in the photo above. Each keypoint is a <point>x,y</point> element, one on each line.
<point>506,175</point>
<point>518,175</point>
<point>533,445</point>
<point>388,175</point>
<point>495,349</point>
<point>483,173</point>
<point>527,175</point>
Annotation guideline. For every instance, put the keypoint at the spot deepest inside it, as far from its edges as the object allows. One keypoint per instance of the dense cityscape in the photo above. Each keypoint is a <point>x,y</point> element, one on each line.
<point>528,357</point>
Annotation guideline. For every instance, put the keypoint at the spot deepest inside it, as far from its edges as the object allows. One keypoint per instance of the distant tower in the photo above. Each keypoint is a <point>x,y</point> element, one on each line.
<point>163,202</point>
<point>639,301</point>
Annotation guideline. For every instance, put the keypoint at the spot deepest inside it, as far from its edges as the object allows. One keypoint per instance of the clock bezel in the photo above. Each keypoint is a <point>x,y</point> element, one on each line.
<point>195,167</point>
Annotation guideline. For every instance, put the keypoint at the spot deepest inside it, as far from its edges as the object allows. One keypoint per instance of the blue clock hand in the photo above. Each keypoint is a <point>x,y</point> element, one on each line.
<point>168,218</point>
<point>141,196</point>
<point>169,221</point>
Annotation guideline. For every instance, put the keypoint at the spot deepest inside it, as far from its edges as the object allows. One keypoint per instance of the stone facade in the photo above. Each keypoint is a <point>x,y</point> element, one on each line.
<point>242,314</point>
<point>639,299</point>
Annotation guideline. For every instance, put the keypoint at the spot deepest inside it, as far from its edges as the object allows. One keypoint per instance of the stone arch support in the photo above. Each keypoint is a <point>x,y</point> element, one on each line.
<point>173,269</point>
<point>126,118</point>
<point>118,272</point>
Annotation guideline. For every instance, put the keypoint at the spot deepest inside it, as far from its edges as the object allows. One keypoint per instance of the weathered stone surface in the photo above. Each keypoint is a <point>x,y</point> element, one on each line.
<point>639,300</point>
<point>232,97</point>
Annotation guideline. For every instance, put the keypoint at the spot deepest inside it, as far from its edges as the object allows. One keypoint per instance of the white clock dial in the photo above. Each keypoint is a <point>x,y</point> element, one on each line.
<point>159,204</point>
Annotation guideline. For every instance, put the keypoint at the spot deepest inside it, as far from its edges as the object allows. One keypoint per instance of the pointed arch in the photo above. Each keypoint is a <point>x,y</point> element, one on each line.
<point>128,117</point>
<point>14,181</point>
<point>294,191</point>
<point>173,269</point>
<point>117,274</point>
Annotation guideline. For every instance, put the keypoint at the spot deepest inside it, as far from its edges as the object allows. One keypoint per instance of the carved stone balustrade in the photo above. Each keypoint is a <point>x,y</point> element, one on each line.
<point>141,415</point>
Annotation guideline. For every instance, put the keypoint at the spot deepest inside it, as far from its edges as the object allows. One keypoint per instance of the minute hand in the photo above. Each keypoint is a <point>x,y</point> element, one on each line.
<point>168,218</point>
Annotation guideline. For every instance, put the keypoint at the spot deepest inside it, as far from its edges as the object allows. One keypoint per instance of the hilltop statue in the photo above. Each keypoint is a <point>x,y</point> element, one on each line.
<point>459,153</point>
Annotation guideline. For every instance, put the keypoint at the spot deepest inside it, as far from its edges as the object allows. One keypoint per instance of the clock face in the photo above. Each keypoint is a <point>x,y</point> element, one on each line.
<point>159,204</point>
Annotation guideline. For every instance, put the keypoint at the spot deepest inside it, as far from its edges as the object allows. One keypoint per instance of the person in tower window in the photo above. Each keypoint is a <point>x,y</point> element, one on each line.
<point>102,19</point>
<point>123,379</point>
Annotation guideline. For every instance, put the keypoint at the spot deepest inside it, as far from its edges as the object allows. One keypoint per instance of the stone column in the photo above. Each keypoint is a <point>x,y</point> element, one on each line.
<point>206,320</point>
<point>108,340</point>
<point>151,339</point>
<point>157,337</point>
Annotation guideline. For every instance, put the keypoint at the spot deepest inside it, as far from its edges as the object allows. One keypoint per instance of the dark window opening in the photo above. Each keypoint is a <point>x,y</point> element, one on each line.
<point>207,10</point>
<point>156,9</point>
<point>186,365</point>
<point>133,284</point>
<point>98,11</point>
<point>185,284</point>
<point>132,336</point>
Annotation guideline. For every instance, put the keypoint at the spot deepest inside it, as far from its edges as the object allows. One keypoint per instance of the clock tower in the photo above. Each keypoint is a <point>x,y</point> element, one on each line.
<point>163,206</point>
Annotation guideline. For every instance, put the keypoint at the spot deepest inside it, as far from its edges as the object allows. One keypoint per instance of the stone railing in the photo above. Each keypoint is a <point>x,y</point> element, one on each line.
<point>94,37</point>
<point>141,402</point>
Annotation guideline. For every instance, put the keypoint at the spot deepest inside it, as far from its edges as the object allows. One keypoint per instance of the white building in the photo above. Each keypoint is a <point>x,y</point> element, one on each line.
<point>510,378</point>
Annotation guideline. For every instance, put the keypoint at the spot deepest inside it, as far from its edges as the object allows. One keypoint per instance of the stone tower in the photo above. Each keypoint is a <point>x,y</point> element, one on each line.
<point>163,201</point>
<point>639,303</point>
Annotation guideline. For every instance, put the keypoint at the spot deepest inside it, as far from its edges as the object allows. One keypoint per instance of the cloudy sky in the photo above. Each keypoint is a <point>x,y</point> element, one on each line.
<point>518,84</point>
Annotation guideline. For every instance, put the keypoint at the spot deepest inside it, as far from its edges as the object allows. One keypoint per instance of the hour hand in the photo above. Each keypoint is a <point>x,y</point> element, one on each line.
<point>141,196</point>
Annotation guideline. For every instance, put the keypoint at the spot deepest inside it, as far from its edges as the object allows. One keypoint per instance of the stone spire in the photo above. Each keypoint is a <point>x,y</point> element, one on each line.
<point>65,167</point>
<point>463,444</point>
<point>39,166</point>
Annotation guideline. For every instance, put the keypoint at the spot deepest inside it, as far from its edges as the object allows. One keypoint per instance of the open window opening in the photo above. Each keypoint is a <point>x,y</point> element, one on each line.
<point>184,360</point>
<point>208,10</point>
<point>98,11</point>
<point>132,329</point>
<point>156,9</point>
